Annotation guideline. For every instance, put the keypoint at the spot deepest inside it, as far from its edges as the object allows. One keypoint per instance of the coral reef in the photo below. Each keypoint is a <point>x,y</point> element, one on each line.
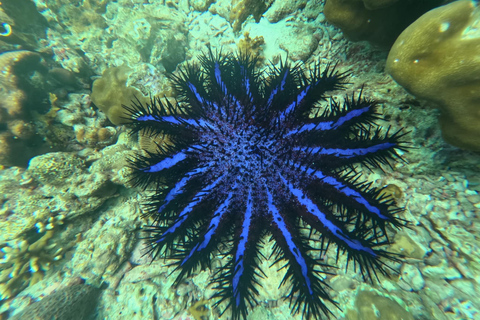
<point>24,263</point>
<point>21,100</point>
<point>242,9</point>
<point>296,38</point>
<point>144,37</point>
<point>198,310</point>
<point>281,9</point>
<point>82,17</point>
<point>377,21</point>
<point>13,97</point>
<point>95,137</point>
<point>32,92</point>
<point>80,193</point>
<point>392,191</point>
<point>436,59</point>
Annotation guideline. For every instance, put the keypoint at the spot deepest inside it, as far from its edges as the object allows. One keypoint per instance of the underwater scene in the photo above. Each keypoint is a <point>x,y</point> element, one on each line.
<point>244,159</point>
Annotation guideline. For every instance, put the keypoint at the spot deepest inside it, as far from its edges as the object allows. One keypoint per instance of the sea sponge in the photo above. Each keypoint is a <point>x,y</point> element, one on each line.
<point>436,58</point>
<point>110,93</point>
<point>377,21</point>
<point>94,137</point>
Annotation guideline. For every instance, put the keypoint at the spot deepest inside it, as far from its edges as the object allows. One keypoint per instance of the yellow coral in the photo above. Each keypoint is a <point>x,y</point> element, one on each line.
<point>392,191</point>
<point>252,46</point>
<point>110,93</point>
<point>241,9</point>
<point>199,311</point>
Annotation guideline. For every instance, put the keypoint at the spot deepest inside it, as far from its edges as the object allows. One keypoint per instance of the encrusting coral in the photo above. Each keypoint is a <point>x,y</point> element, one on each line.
<point>24,263</point>
<point>370,304</point>
<point>436,58</point>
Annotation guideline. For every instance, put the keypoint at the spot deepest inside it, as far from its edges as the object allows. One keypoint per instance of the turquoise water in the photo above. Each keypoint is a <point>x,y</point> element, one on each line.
<point>71,219</point>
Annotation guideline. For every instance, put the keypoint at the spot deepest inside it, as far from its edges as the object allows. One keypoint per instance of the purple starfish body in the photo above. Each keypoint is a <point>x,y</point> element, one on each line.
<point>253,155</point>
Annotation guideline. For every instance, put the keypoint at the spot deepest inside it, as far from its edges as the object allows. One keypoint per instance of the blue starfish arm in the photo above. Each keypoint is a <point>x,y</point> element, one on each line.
<point>237,280</point>
<point>178,188</point>
<point>167,162</point>
<point>307,286</point>
<point>359,244</point>
<point>279,87</point>
<point>211,230</point>
<point>312,89</point>
<point>347,153</point>
<point>240,252</point>
<point>344,119</point>
<point>372,149</point>
<point>335,233</point>
<point>344,189</point>
<point>166,236</point>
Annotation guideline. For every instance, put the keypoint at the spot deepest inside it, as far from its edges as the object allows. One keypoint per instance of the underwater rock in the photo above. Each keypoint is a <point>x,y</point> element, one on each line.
<point>370,305</point>
<point>27,26</point>
<point>296,39</point>
<point>56,168</point>
<point>76,302</point>
<point>281,9</point>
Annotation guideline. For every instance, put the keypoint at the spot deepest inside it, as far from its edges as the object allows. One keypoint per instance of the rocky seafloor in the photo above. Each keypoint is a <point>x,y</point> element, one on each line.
<point>72,215</point>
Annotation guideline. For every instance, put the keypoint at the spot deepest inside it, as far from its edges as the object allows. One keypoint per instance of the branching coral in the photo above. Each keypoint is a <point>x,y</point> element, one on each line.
<point>24,263</point>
